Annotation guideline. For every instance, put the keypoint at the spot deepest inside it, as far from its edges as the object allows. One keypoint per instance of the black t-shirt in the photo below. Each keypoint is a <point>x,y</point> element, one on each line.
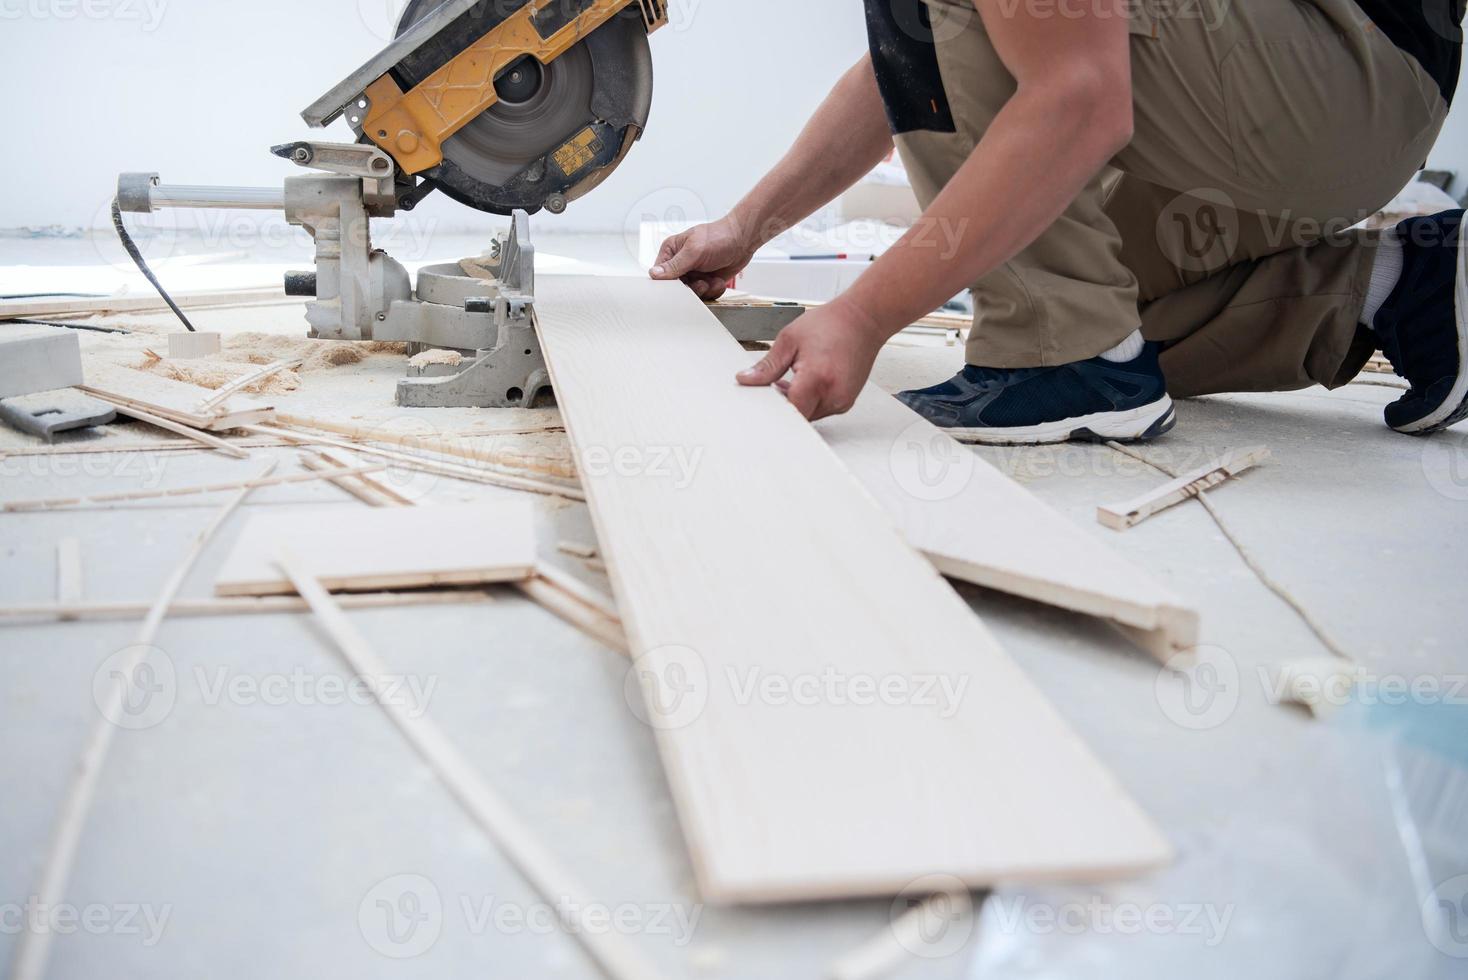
<point>1429,30</point>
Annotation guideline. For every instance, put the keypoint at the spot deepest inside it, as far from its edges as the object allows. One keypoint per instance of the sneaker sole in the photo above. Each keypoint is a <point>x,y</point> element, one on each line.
<point>1135,425</point>
<point>1454,407</point>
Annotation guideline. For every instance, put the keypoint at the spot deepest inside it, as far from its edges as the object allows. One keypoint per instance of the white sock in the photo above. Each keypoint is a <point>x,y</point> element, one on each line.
<point>1386,272</point>
<point>1127,350</point>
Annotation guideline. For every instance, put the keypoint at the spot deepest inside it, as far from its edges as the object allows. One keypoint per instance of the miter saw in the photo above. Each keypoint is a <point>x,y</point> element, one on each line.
<point>507,106</point>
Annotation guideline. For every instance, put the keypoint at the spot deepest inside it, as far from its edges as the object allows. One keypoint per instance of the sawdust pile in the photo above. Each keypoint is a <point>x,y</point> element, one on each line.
<point>245,350</point>
<point>319,355</point>
<point>450,357</point>
<point>214,374</point>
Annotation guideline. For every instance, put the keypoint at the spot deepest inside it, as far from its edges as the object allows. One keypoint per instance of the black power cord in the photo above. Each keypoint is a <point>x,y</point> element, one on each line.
<point>71,326</point>
<point>137,257</point>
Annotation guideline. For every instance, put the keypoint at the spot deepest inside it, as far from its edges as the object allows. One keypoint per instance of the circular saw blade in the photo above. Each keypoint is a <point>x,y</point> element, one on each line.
<point>502,160</point>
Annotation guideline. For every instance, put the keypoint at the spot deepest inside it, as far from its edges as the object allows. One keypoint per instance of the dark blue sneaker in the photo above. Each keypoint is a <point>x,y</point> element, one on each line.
<point>1423,326</point>
<point>1093,400</point>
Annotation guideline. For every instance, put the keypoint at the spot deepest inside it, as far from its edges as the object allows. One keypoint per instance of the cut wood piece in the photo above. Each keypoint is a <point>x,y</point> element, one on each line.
<point>58,306</point>
<point>175,400</point>
<point>1119,517</point>
<point>37,358</point>
<point>977,525</point>
<point>396,548</point>
<point>178,428</point>
<point>748,564</point>
<point>188,345</point>
<point>611,950</point>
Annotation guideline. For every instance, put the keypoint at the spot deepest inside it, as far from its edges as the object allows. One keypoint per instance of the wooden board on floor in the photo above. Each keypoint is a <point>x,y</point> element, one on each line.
<point>833,719</point>
<point>177,401</point>
<point>977,525</point>
<point>356,550</point>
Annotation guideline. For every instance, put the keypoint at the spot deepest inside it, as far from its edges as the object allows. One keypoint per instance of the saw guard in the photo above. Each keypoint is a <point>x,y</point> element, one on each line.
<point>413,126</point>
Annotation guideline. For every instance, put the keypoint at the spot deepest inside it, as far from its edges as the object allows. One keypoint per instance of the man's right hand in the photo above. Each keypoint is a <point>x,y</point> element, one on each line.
<point>705,258</point>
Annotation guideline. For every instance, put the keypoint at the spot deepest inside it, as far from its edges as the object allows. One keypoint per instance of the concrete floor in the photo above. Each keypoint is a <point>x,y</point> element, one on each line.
<point>268,833</point>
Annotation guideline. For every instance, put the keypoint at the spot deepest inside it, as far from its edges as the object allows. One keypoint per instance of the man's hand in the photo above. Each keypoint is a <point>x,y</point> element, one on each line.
<point>830,351</point>
<point>705,257</point>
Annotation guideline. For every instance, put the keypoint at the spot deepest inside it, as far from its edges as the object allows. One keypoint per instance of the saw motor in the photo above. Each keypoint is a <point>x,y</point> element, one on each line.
<point>504,105</point>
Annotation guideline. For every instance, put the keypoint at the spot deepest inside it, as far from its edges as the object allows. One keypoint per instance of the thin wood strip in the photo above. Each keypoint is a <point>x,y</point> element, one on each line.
<point>1121,516</point>
<point>611,951</point>
<point>33,947</point>
<point>904,938</point>
<point>240,384</point>
<point>342,459</point>
<point>427,465</point>
<point>25,309</point>
<point>594,615</point>
<point>548,466</point>
<point>204,608</point>
<point>107,498</point>
<point>356,486</point>
<point>178,428</point>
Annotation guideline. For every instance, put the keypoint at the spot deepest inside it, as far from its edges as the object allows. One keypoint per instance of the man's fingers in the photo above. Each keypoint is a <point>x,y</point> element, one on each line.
<point>805,395</point>
<point>771,368</point>
<point>705,286</point>
<point>676,259</point>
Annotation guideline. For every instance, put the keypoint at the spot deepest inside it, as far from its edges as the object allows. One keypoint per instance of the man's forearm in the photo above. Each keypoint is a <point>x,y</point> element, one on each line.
<point>847,137</point>
<point>994,207</point>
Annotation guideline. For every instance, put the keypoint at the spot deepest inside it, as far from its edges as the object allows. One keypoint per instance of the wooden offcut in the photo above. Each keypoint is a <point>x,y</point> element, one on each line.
<point>1121,516</point>
<point>177,401</point>
<point>379,550</point>
<point>746,561</point>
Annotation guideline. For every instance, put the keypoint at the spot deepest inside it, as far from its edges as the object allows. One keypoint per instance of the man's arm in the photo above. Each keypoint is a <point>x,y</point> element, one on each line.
<point>1071,113</point>
<point>846,138</point>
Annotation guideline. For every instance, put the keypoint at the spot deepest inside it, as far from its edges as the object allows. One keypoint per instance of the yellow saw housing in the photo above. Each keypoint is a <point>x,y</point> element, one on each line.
<point>413,126</point>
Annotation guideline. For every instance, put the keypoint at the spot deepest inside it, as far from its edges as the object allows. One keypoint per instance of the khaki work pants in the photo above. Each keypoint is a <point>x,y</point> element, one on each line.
<point>1264,130</point>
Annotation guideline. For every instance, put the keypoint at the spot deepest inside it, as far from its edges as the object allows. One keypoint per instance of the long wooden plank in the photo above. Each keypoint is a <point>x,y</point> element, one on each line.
<point>977,525</point>
<point>376,551</point>
<point>175,400</point>
<point>833,719</point>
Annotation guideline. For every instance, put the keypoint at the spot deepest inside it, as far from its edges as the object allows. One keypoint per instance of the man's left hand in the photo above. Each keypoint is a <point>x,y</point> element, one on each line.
<point>828,352</point>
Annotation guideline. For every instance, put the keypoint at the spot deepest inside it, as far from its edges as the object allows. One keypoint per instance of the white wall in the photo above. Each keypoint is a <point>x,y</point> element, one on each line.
<point>1452,146</point>
<point>198,90</point>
